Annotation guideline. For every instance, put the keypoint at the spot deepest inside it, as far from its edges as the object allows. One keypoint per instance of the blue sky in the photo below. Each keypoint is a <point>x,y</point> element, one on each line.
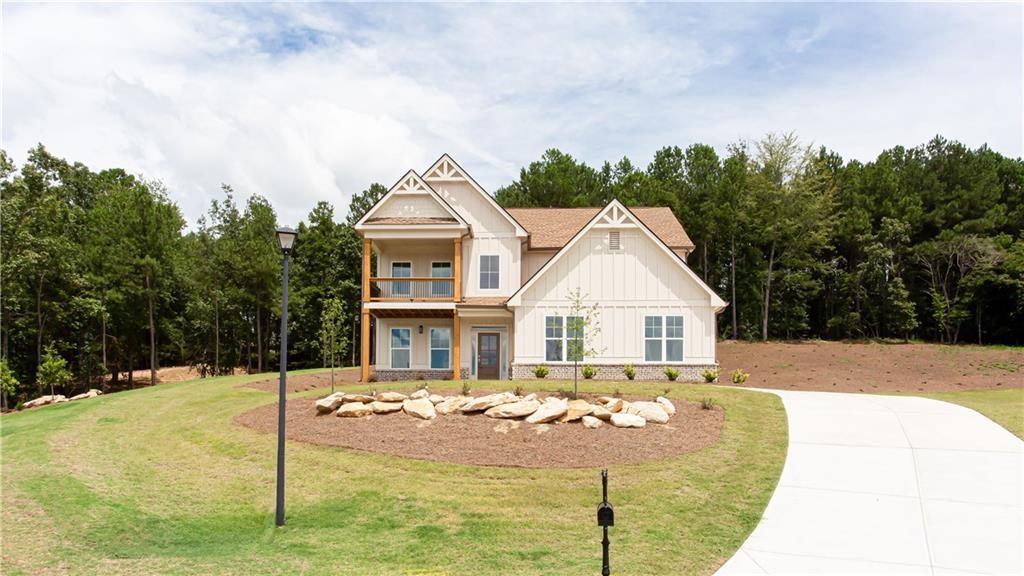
<point>315,101</point>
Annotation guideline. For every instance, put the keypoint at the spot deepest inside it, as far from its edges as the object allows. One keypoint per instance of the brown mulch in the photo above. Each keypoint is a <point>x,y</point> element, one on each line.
<point>482,441</point>
<point>307,381</point>
<point>872,367</point>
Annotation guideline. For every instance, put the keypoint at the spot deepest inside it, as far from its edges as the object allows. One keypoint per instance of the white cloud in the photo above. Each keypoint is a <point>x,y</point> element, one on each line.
<point>311,102</point>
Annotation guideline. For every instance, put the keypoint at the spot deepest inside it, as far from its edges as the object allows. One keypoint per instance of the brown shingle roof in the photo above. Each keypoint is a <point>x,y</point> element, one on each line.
<point>552,228</point>
<point>412,220</point>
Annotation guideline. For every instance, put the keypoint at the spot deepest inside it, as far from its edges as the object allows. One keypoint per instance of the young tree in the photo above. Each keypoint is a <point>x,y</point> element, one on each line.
<point>583,331</point>
<point>8,384</point>
<point>53,371</point>
<point>333,337</point>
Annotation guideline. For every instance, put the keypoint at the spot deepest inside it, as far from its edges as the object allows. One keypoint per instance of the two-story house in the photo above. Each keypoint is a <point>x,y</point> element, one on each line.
<point>467,289</point>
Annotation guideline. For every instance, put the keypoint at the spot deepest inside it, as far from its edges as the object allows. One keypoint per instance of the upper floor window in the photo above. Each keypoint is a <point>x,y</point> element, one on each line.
<point>401,270</point>
<point>489,275</point>
<point>663,338</point>
<point>441,270</point>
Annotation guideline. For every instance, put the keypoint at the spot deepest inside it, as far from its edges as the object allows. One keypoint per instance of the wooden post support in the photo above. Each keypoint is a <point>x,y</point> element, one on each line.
<point>457,269</point>
<point>367,251</point>
<point>456,345</point>
<point>364,346</point>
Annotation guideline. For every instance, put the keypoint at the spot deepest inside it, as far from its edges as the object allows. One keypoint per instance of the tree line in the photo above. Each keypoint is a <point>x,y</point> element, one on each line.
<point>99,273</point>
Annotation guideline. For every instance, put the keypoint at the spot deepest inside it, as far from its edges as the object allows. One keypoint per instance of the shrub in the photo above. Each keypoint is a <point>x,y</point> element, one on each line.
<point>541,371</point>
<point>518,391</point>
<point>708,404</point>
<point>465,388</point>
<point>422,386</point>
<point>589,371</point>
<point>629,371</point>
<point>711,374</point>
<point>739,376</point>
<point>671,373</point>
<point>616,393</point>
<point>665,391</point>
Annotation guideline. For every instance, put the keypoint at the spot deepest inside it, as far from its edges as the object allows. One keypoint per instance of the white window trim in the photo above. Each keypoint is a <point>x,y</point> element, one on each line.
<point>480,271</point>
<point>430,347</point>
<point>451,268</point>
<point>391,347</point>
<point>565,340</point>
<point>393,282</point>
<point>664,339</point>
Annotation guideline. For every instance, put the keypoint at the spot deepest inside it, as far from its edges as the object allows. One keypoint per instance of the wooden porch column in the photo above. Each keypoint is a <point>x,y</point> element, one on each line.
<point>457,269</point>
<point>367,251</point>
<point>456,345</point>
<point>364,346</point>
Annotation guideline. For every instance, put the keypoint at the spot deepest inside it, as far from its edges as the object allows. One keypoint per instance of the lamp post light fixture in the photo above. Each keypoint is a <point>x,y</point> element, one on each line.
<point>286,238</point>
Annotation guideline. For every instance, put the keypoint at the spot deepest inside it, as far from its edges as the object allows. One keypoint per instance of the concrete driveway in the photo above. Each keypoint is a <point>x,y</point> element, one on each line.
<point>890,485</point>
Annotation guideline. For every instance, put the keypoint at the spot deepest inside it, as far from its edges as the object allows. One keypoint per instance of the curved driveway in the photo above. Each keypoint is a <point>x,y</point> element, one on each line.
<point>890,485</point>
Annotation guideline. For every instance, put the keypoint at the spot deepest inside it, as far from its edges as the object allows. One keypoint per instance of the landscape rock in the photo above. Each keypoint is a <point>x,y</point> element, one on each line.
<point>531,396</point>
<point>667,404</point>
<point>353,410</point>
<point>577,409</point>
<point>435,399</point>
<point>614,405</point>
<point>380,407</point>
<point>391,397</point>
<point>450,405</point>
<point>513,409</point>
<point>605,399</point>
<point>623,420</point>
<point>650,411</point>
<point>551,409</point>
<point>44,400</point>
<point>362,398</point>
<point>330,403</point>
<point>600,412</point>
<point>420,408</point>
<point>92,393</point>
<point>485,402</point>
<point>591,422</point>
<point>421,393</point>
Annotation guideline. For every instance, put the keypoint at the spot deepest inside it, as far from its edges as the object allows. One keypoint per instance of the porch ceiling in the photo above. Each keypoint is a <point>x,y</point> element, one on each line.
<point>411,312</point>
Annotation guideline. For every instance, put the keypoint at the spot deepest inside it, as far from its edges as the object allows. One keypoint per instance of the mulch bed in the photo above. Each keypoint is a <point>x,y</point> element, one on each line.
<point>482,441</point>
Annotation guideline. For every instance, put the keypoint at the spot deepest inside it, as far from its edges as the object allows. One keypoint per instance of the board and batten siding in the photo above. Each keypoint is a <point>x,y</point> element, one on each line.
<point>628,284</point>
<point>410,206</point>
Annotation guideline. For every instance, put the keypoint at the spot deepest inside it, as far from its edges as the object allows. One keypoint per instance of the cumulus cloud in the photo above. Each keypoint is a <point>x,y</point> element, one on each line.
<point>314,102</point>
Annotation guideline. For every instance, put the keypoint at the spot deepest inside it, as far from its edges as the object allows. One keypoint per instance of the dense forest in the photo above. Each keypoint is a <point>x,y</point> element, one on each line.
<point>100,276</point>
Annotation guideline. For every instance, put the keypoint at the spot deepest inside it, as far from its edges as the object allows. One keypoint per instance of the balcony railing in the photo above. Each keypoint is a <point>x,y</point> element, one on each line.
<point>412,289</point>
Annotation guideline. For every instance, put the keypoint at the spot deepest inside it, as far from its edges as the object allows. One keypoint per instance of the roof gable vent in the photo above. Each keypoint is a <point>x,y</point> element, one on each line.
<point>614,240</point>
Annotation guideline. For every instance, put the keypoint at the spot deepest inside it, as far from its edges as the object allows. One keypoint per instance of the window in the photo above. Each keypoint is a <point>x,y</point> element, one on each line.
<point>663,338</point>
<point>441,270</point>
<point>401,270</point>
<point>554,338</point>
<point>614,241</point>
<point>560,338</point>
<point>489,276</point>
<point>401,341</point>
<point>440,348</point>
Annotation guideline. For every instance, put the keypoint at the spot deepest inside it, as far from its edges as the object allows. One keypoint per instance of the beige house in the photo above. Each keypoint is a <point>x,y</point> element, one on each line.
<point>463,283</point>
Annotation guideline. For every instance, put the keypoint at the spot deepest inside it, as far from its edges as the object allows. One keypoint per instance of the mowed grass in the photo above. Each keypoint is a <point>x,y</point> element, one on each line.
<point>161,481</point>
<point>1004,407</point>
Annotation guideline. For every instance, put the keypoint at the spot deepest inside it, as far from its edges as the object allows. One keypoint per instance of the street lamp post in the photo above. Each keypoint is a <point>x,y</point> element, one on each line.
<point>286,238</point>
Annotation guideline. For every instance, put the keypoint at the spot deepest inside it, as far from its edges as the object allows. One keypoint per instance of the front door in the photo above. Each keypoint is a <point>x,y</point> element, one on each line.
<point>488,356</point>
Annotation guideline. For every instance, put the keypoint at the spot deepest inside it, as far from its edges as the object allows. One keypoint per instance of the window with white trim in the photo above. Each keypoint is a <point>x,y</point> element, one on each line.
<point>401,270</point>
<point>489,272</point>
<point>563,338</point>
<point>401,347</point>
<point>441,270</point>
<point>440,348</point>
<point>554,338</point>
<point>663,338</point>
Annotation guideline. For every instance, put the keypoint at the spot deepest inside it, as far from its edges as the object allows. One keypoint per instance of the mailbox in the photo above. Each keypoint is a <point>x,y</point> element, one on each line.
<point>605,513</point>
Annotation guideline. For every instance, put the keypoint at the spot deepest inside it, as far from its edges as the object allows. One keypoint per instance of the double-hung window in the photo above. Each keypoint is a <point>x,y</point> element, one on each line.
<point>663,338</point>
<point>489,275</point>
<point>563,338</point>
<point>401,351</point>
<point>401,270</point>
<point>440,348</point>
<point>574,338</point>
<point>441,270</point>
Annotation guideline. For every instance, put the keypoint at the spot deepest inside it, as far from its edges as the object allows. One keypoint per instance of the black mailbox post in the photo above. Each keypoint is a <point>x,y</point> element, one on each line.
<point>605,518</point>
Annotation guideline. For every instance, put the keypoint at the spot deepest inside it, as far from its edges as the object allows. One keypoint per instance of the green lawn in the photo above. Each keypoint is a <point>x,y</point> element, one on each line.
<point>1005,407</point>
<point>159,480</point>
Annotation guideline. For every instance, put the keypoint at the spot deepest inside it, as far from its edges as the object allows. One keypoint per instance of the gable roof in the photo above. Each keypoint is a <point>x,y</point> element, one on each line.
<point>412,184</point>
<point>552,228</point>
<point>616,213</point>
<point>446,169</point>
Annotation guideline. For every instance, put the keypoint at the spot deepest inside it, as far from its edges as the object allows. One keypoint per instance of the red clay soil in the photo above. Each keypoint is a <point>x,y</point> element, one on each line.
<point>307,381</point>
<point>871,367</point>
<point>482,441</point>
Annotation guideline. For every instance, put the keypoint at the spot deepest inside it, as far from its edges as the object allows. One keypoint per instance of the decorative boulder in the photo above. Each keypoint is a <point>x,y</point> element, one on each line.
<point>530,396</point>
<point>591,422</point>
<point>450,405</point>
<point>551,409</point>
<point>353,410</point>
<point>362,398</point>
<point>600,412</point>
<point>485,402</point>
<point>435,399</point>
<point>621,420</point>
<point>420,408</point>
<point>513,409</point>
<point>330,403</point>
<point>379,407</point>
<point>605,399</point>
<point>577,409</point>
<point>667,404</point>
<point>421,393</point>
<point>390,397</point>
<point>650,411</point>
<point>614,405</point>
